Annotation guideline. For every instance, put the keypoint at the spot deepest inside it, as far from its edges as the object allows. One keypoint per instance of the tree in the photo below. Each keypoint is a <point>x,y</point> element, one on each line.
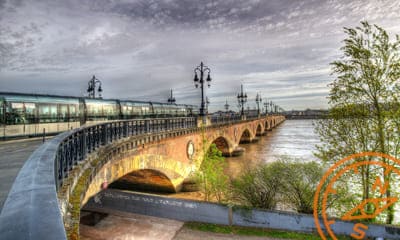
<point>364,102</point>
<point>300,181</point>
<point>211,178</point>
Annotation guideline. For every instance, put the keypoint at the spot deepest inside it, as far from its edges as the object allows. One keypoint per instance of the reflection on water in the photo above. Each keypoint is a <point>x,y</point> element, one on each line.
<point>293,138</point>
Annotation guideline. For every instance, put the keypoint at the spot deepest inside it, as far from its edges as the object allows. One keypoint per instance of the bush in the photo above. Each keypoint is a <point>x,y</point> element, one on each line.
<point>258,187</point>
<point>293,183</point>
<point>300,181</point>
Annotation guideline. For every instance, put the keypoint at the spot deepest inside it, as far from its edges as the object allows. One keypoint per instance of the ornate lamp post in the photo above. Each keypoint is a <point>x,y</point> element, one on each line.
<point>92,87</point>
<point>266,106</point>
<point>202,69</point>
<point>171,98</point>
<point>242,99</point>
<point>271,107</point>
<point>226,106</point>
<point>258,101</point>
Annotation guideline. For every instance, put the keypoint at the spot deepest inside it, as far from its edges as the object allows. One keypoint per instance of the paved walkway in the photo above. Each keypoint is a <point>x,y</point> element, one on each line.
<point>119,225</point>
<point>127,226</point>
<point>13,155</point>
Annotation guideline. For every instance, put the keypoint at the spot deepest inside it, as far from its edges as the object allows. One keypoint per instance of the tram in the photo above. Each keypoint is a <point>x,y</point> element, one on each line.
<point>28,115</point>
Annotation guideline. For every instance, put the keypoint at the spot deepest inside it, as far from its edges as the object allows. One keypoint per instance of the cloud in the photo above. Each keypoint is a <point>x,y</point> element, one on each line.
<point>140,49</point>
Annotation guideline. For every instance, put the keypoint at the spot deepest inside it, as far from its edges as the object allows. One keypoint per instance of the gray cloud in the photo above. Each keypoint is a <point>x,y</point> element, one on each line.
<point>140,49</point>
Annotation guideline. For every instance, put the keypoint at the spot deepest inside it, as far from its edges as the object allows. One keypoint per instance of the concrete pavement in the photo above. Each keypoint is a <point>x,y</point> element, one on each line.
<point>13,155</point>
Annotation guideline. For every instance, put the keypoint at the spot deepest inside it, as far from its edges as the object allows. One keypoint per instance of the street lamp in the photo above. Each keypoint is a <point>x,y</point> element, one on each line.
<point>242,99</point>
<point>266,106</point>
<point>171,98</point>
<point>271,107</point>
<point>92,87</point>
<point>201,69</point>
<point>226,106</point>
<point>258,101</point>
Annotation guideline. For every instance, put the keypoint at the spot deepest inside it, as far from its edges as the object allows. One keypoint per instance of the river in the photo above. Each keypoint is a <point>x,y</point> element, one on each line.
<point>294,139</point>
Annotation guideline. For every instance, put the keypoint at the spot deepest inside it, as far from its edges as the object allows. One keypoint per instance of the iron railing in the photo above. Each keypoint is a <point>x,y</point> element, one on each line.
<point>74,148</point>
<point>223,119</point>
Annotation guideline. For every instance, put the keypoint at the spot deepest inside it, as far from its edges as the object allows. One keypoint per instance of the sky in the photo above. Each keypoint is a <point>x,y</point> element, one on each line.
<point>140,49</point>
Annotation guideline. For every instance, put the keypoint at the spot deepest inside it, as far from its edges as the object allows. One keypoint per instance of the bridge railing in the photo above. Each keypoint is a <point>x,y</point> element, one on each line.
<point>74,148</point>
<point>223,119</point>
<point>31,210</point>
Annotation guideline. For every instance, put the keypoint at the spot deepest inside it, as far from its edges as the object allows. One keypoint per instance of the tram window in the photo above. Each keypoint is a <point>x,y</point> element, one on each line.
<point>132,109</point>
<point>2,120</point>
<point>73,113</point>
<point>101,109</point>
<point>94,110</point>
<point>145,110</point>
<point>158,109</point>
<point>17,113</point>
<point>137,110</point>
<point>30,112</point>
<point>110,111</point>
<point>48,112</point>
<point>63,113</point>
<point>126,111</point>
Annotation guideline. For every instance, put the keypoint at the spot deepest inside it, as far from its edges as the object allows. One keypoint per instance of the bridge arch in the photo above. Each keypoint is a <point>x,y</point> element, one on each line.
<point>246,136</point>
<point>223,144</point>
<point>169,171</point>
<point>144,180</point>
<point>260,129</point>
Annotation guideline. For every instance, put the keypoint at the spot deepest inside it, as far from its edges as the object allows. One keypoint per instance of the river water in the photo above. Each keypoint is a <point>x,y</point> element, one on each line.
<point>294,139</point>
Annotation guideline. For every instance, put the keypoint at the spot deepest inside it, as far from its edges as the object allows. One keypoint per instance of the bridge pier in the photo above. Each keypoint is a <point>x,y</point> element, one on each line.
<point>238,151</point>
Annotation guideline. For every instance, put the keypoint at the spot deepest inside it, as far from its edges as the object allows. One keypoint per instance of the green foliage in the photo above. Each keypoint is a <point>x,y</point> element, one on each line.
<point>259,186</point>
<point>211,178</point>
<point>293,183</point>
<point>364,101</point>
<point>300,181</point>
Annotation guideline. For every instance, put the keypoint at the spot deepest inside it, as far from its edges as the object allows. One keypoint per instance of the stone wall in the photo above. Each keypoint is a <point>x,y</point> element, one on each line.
<point>197,211</point>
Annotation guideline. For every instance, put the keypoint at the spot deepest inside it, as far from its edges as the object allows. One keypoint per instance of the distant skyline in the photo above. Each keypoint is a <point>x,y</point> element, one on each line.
<point>140,49</point>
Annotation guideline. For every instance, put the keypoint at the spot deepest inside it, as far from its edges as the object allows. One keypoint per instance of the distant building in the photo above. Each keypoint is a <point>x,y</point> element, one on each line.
<point>306,114</point>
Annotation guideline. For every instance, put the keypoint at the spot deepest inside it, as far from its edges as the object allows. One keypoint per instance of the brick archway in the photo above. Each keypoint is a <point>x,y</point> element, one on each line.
<point>260,130</point>
<point>146,179</point>
<point>246,136</point>
<point>223,145</point>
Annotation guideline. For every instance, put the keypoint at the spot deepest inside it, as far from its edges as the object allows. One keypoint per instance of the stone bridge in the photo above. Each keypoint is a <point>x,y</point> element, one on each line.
<point>166,163</point>
<point>64,173</point>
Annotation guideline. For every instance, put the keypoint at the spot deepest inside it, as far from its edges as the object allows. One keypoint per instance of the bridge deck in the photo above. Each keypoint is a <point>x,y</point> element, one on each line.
<point>13,155</point>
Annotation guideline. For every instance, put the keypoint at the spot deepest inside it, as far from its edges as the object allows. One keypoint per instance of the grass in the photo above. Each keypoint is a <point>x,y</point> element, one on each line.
<point>249,231</point>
